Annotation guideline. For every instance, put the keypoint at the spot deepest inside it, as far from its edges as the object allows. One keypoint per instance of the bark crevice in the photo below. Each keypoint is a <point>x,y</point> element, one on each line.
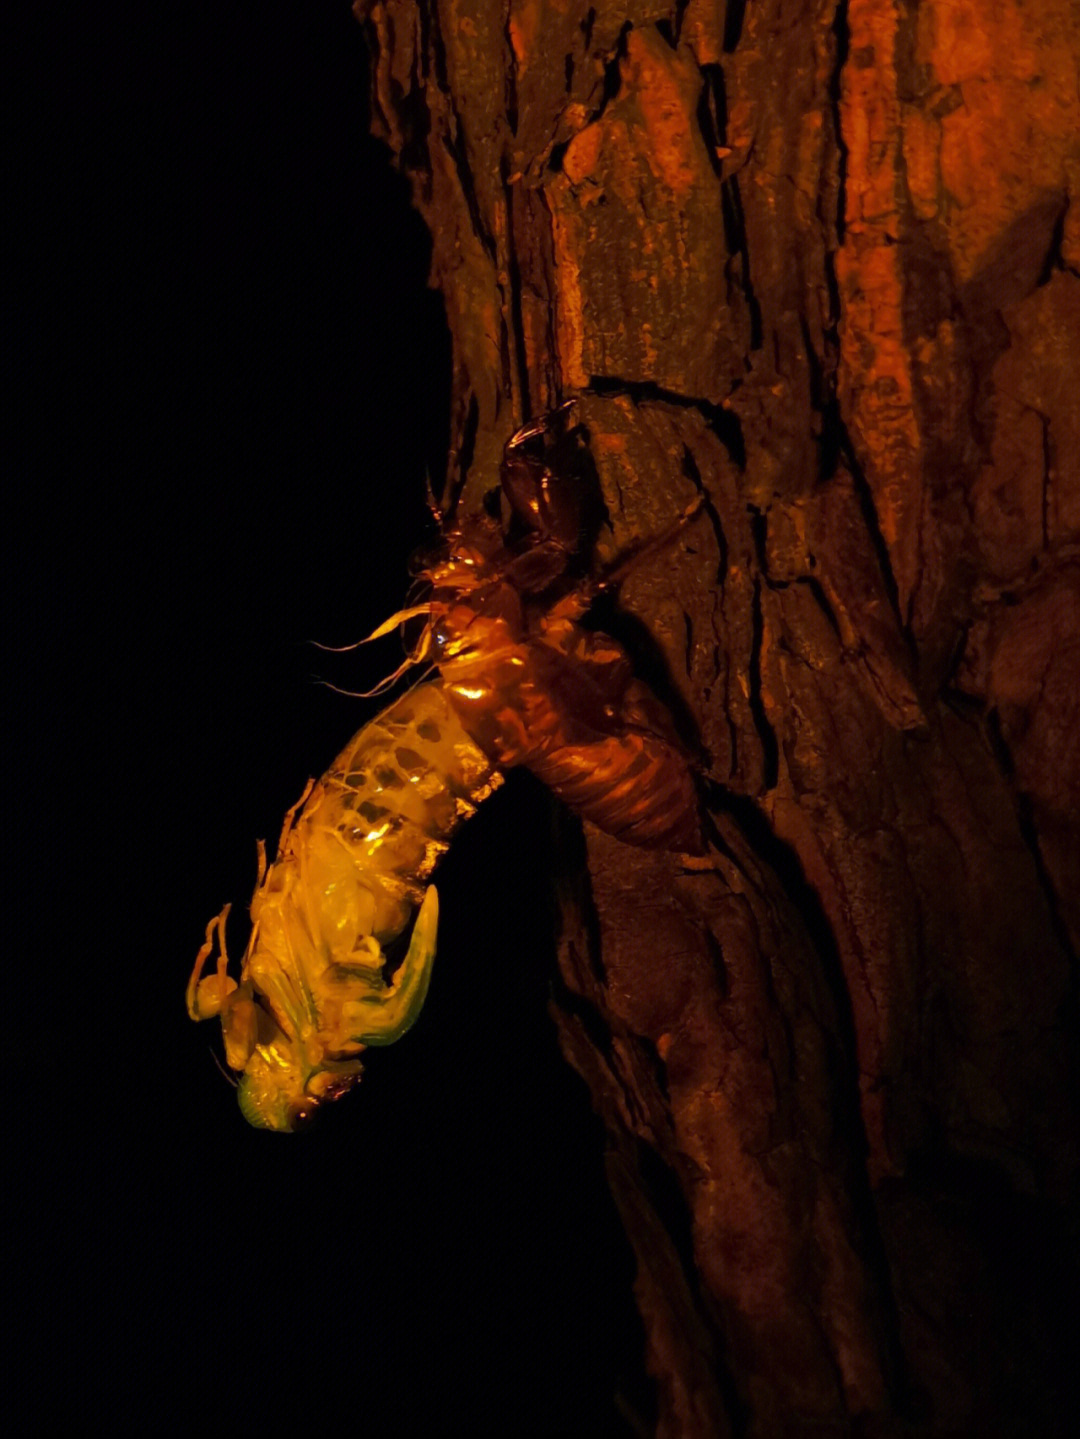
<point>816,263</point>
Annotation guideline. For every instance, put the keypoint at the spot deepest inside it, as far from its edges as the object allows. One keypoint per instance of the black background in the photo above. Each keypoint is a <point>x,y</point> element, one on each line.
<point>228,377</point>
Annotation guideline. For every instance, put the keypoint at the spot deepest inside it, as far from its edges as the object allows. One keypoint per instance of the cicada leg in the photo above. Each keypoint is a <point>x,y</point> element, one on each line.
<point>205,997</point>
<point>286,830</point>
<point>539,426</point>
<point>220,996</point>
<point>580,600</point>
<point>286,827</point>
<point>627,562</point>
<point>546,499</point>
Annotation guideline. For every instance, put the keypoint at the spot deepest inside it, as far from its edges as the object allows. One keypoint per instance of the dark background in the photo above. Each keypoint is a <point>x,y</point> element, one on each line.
<point>228,377</point>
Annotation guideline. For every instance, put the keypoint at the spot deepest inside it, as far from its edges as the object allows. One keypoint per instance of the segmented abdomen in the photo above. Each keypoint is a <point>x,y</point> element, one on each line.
<point>565,704</point>
<point>389,803</point>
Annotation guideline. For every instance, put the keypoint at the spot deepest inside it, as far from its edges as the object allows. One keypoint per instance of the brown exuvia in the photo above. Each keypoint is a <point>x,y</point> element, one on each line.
<point>530,684</point>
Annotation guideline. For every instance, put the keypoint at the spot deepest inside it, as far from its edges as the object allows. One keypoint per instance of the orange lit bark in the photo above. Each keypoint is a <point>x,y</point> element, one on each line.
<point>821,262</point>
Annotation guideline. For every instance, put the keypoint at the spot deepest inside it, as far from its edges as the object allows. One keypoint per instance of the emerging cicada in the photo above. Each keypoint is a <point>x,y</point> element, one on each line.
<point>521,683</point>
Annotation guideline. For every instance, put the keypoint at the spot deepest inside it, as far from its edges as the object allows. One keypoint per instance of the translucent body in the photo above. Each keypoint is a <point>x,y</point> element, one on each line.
<point>351,869</point>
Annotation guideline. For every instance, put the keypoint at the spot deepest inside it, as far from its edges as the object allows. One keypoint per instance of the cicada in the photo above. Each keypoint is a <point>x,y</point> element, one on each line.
<point>520,682</point>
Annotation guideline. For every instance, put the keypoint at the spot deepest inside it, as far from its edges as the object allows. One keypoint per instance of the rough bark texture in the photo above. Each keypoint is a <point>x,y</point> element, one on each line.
<point>820,263</point>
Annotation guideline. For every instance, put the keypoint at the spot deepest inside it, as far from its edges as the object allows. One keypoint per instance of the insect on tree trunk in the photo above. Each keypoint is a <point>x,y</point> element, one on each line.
<point>818,263</point>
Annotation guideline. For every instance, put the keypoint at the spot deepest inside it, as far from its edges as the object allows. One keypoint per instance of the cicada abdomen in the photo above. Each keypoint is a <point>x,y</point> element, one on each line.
<point>351,869</point>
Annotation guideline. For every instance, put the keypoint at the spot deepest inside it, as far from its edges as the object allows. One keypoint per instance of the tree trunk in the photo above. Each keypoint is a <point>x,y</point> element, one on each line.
<point>817,262</point>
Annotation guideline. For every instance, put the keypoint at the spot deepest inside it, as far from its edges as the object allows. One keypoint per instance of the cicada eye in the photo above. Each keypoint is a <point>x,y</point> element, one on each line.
<point>302,1113</point>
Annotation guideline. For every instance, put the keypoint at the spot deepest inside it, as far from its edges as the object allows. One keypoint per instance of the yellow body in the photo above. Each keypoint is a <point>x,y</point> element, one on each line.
<point>352,867</point>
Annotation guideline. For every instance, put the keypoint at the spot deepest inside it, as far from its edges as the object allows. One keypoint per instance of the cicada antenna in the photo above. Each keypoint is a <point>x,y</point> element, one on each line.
<point>432,499</point>
<point>224,1071</point>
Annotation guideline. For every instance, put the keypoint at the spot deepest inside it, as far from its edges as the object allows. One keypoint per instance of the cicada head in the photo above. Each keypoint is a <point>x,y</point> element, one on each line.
<point>270,1033</point>
<point>276,1093</point>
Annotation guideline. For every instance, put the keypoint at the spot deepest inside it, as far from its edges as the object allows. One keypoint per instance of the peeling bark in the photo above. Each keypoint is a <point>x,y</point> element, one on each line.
<point>820,263</point>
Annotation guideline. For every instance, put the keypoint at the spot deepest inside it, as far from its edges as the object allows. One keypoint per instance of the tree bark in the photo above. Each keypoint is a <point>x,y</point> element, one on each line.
<point>818,263</point>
